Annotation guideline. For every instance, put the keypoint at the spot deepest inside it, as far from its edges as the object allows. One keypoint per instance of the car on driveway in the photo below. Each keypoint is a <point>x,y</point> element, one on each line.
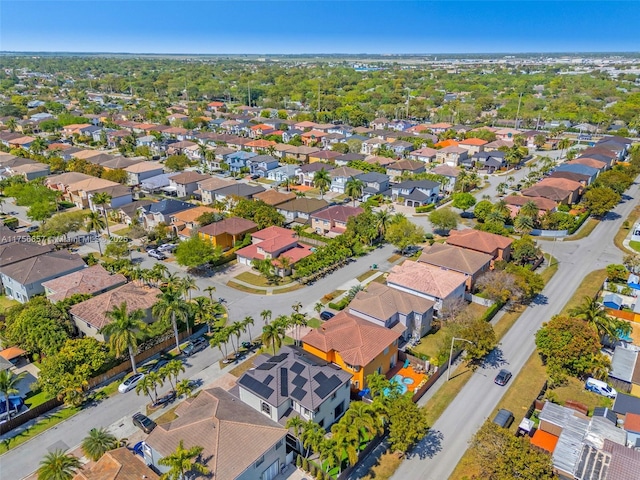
<point>32,228</point>
<point>143,422</point>
<point>157,255</point>
<point>167,247</point>
<point>195,346</point>
<point>503,377</point>
<point>326,315</point>
<point>130,383</point>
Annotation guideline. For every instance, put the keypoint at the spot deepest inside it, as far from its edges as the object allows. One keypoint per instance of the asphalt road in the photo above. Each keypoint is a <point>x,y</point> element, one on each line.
<point>437,455</point>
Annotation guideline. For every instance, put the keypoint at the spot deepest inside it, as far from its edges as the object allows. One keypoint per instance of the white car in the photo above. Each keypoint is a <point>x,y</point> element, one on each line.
<point>130,383</point>
<point>157,255</point>
<point>167,247</point>
<point>600,387</point>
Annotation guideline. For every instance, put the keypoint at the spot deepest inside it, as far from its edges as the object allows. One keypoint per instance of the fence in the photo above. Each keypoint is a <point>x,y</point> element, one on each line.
<point>479,300</point>
<point>30,414</point>
<point>372,444</point>
<point>624,314</point>
<point>549,233</point>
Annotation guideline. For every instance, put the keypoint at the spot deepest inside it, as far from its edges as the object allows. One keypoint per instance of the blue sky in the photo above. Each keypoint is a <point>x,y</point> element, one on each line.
<point>245,26</point>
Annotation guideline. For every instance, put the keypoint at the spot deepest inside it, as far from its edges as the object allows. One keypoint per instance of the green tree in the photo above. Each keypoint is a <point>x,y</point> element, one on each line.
<point>354,188</point>
<point>407,423</point>
<point>96,223</point>
<point>599,200</point>
<point>383,220</point>
<point>617,273</point>
<point>177,163</point>
<point>530,209</point>
<point>103,199</point>
<point>117,250</point>
<point>444,219</point>
<point>58,466</point>
<point>171,307</point>
<point>98,442</point>
<point>185,387</point>
<point>182,461</point>
<point>539,141</point>
<point>595,314</point>
<point>171,371</point>
<point>322,181</point>
<point>195,252</point>
<point>403,234</point>
<point>273,334</point>
<point>464,201</point>
<point>524,250</point>
<point>523,224</point>
<point>482,209</point>
<point>484,340</point>
<point>122,332</point>
<point>63,223</point>
<point>9,386</point>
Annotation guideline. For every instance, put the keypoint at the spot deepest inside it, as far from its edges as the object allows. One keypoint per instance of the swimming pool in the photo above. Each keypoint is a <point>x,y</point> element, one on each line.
<point>402,382</point>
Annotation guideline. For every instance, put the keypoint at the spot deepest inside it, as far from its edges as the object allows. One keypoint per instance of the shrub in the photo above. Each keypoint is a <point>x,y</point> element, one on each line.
<point>11,222</point>
<point>426,208</point>
<point>298,461</point>
<point>313,469</point>
<point>305,464</point>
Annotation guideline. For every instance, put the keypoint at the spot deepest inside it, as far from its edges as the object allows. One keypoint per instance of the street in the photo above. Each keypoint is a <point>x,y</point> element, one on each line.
<point>437,455</point>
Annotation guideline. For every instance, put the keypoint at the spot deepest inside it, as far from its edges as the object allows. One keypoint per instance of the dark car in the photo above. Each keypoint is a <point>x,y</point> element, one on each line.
<point>158,365</point>
<point>504,418</point>
<point>166,399</point>
<point>143,422</point>
<point>326,315</point>
<point>195,346</point>
<point>503,377</point>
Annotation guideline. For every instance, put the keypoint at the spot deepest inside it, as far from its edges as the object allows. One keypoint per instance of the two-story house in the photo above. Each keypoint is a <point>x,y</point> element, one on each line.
<point>450,175</point>
<point>340,176</point>
<point>397,170</point>
<point>295,382</point>
<point>299,210</point>
<point>154,214</point>
<point>143,170</point>
<point>282,173</point>
<point>374,183</point>
<point>415,193</point>
<point>470,263</point>
<point>262,164</point>
<point>206,188</point>
<point>452,156</point>
<point>225,233</point>
<point>332,221</point>
<point>238,160</point>
<point>306,173</point>
<point>497,246</point>
<point>184,224</point>
<point>426,155</point>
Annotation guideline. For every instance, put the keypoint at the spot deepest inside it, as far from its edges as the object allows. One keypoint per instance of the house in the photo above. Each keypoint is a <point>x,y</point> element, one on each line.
<point>61,182</point>
<point>236,190</point>
<point>576,177</point>
<point>325,156</point>
<point>289,135</point>
<point>274,243</point>
<point>207,188</point>
<point>580,169</point>
<point>119,194</point>
<point>185,223</point>
<point>306,173</point>
<point>357,346</point>
<point>516,202</point>
<point>439,127</point>
<point>507,133</point>
<point>497,246</point>
<point>632,427</point>
<point>449,142</point>
<point>442,287</point>
<point>489,161</point>
<point>574,189</point>
<point>239,443</point>
<point>299,210</point>
<point>142,171</point>
<point>344,159</point>
<point>340,176</point>
<point>473,145</point>
<point>452,156</point>
<point>415,193</point>
<point>273,197</point>
<point>450,175</point>
<point>332,221</point>
<point>23,279</point>
<point>118,464</point>
<point>374,183</point>
<point>497,145</point>
<point>156,184</point>
<point>426,155</point>
<point>379,123</point>
<point>296,383</point>
<point>470,263</point>
<point>312,137</point>
<point>372,145</point>
<point>625,364</point>
<point>91,316</point>
<point>119,163</point>
<point>599,163</point>
<point>261,144</point>
<point>400,147</point>
<point>400,168</point>
<point>281,174</point>
<point>391,308</point>
<point>186,183</point>
<point>301,153</point>
<point>261,164</point>
<point>227,232</point>
<point>93,280</point>
<point>80,192</point>
<point>154,214</point>
<point>602,154</point>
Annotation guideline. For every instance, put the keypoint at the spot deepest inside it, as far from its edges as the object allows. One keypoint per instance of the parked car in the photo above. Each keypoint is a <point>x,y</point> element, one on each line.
<point>503,377</point>
<point>504,418</point>
<point>130,383</point>
<point>157,255</point>
<point>143,422</point>
<point>167,247</point>
<point>148,248</point>
<point>158,365</point>
<point>165,399</point>
<point>32,228</point>
<point>411,250</point>
<point>195,346</point>
<point>326,315</point>
<point>600,387</point>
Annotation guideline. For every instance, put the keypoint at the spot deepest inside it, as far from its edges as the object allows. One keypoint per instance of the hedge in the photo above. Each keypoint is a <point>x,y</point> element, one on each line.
<point>491,311</point>
<point>426,208</point>
<point>11,222</point>
<point>578,222</point>
<point>340,305</point>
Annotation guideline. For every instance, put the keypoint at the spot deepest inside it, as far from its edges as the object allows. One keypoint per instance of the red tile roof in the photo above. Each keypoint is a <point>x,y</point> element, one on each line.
<point>231,225</point>
<point>478,240</point>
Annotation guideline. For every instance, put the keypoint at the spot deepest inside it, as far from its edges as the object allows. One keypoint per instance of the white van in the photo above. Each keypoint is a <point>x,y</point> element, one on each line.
<point>600,387</point>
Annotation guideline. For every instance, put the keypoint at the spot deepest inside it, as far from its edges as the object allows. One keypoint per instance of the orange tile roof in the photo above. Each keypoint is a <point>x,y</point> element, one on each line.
<point>474,141</point>
<point>273,197</point>
<point>544,440</point>
<point>11,353</point>
<point>631,421</point>
<point>589,162</point>
<point>260,144</point>
<point>426,279</point>
<point>357,341</point>
<point>478,240</point>
<point>447,143</point>
<point>119,464</point>
<point>192,214</point>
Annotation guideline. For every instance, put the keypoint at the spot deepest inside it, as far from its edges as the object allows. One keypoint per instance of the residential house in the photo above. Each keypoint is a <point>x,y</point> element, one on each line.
<point>415,193</point>
<point>497,144</point>
<point>443,287</point>
<point>91,316</point>
<point>118,464</point>
<point>394,309</point>
<point>119,194</point>
<point>554,193</point>
<point>439,127</point>
<point>332,221</point>
<point>489,161</point>
<point>473,145</point>
<point>301,153</point>
<point>340,176</point>
<point>93,280</point>
<point>357,346</point>
<point>400,168</point>
<point>262,164</point>
<point>273,197</point>
<point>632,427</point>
<point>299,210</point>
<point>306,173</point>
<point>281,174</point>
<point>282,149</point>
<point>588,174</point>
<point>372,145</point>
<point>333,138</point>
<point>225,233</point>
<point>374,183</point>
<point>296,383</point>
<point>401,147</point>
<point>449,142</point>
<point>379,123</point>
<point>186,183</point>
<point>575,189</point>
<point>156,184</point>
<point>516,202</point>
<point>80,192</point>
<point>624,374</point>
<point>325,156</point>
<point>239,443</point>
<point>343,159</point>
<point>470,263</point>
<point>238,160</point>
<point>452,156</point>
<point>450,174</point>
<point>274,243</point>
<point>507,133</point>
<point>119,163</point>
<point>142,171</point>
<point>154,214</point>
<point>207,188</point>
<point>23,279</point>
<point>600,163</point>
<point>497,246</point>
<point>261,144</point>
<point>28,169</point>
<point>289,135</point>
<point>259,130</point>
<point>185,223</point>
<point>128,213</point>
<point>236,190</point>
<point>312,137</point>
<point>426,155</point>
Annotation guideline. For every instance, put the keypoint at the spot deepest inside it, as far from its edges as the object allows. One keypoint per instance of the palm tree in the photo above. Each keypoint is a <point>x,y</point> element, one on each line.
<point>201,308</point>
<point>102,199</point>
<point>187,284</point>
<point>322,181</point>
<point>123,329</point>
<point>171,306</point>
<point>523,224</point>
<point>272,335</point>
<point>184,387</point>
<point>266,316</point>
<point>364,419</point>
<point>296,424</point>
<point>95,223</point>
<point>247,323</point>
<point>172,369</point>
<point>563,144</point>
<point>318,307</point>
<point>12,124</point>
<point>220,339</point>
<point>347,441</point>
<point>331,454</point>
<point>383,219</point>
<point>312,436</point>
<point>530,209</point>
<point>38,145</point>
<point>98,442</point>
<point>58,466</point>
<point>8,386</point>
<point>592,312</point>
<point>209,290</point>
<point>354,188</point>
<point>181,462</point>
<point>237,329</point>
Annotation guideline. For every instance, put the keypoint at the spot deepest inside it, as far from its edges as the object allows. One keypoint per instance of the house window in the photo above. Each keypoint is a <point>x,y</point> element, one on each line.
<point>260,461</point>
<point>279,444</point>
<point>321,423</point>
<point>339,410</point>
<point>266,408</point>
<point>386,351</point>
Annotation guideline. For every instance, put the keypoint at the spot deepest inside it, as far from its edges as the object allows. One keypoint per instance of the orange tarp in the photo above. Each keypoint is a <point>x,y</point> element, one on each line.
<point>544,440</point>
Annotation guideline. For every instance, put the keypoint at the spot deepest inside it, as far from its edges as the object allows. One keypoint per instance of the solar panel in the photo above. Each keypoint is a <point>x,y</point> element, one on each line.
<point>278,358</point>
<point>298,394</point>
<point>325,388</point>
<point>256,386</point>
<point>320,377</point>
<point>265,366</point>
<point>284,382</point>
<point>299,381</point>
<point>268,380</point>
<point>297,368</point>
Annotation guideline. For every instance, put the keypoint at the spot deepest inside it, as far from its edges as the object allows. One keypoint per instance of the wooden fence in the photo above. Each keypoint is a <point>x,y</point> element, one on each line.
<point>30,414</point>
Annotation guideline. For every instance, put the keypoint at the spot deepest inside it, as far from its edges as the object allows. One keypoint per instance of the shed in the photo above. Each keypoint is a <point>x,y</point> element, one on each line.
<point>623,363</point>
<point>613,301</point>
<point>633,281</point>
<point>553,418</point>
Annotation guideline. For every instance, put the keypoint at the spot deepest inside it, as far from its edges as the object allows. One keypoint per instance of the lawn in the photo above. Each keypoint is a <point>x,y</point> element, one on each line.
<point>242,288</point>
<point>386,466</point>
<point>122,231</point>
<point>590,286</point>
<point>238,370</point>
<point>167,416</point>
<point>431,343</point>
<point>365,275</point>
<point>624,230</point>
<point>585,230</point>
<point>574,390</point>
<point>394,257</point>
<point>6,303</point>
<point>550,269</point>
<point>259,280</point>
<point>292,288</point>
<point>635,245</point>
<point>34,399</point>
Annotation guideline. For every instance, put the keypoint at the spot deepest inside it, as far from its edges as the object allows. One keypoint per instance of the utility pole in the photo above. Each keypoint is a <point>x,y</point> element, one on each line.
<point>518,111</point>
<point>453,339</point>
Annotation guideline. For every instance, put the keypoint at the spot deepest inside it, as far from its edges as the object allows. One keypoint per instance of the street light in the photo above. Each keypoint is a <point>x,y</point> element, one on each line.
<point>451,353</point>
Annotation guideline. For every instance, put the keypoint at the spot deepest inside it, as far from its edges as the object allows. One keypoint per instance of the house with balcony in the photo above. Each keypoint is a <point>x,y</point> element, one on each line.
<point>415,193</point>
<point>340,176</point>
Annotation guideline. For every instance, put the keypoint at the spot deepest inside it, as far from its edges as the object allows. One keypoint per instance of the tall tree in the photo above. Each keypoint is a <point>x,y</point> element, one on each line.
<point>272,335</point>
<point>123,330</point>
<point>594,313</point>
<point>96,223</point>
<point>171,306</point>
<point>58,466</point>
<point>9,386</point>
<point>182,461</point>
<point>354,188</point>
<point>322,181</point>
<point>98,442</point>
<point>103,199</point>
<point>247,323</point>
